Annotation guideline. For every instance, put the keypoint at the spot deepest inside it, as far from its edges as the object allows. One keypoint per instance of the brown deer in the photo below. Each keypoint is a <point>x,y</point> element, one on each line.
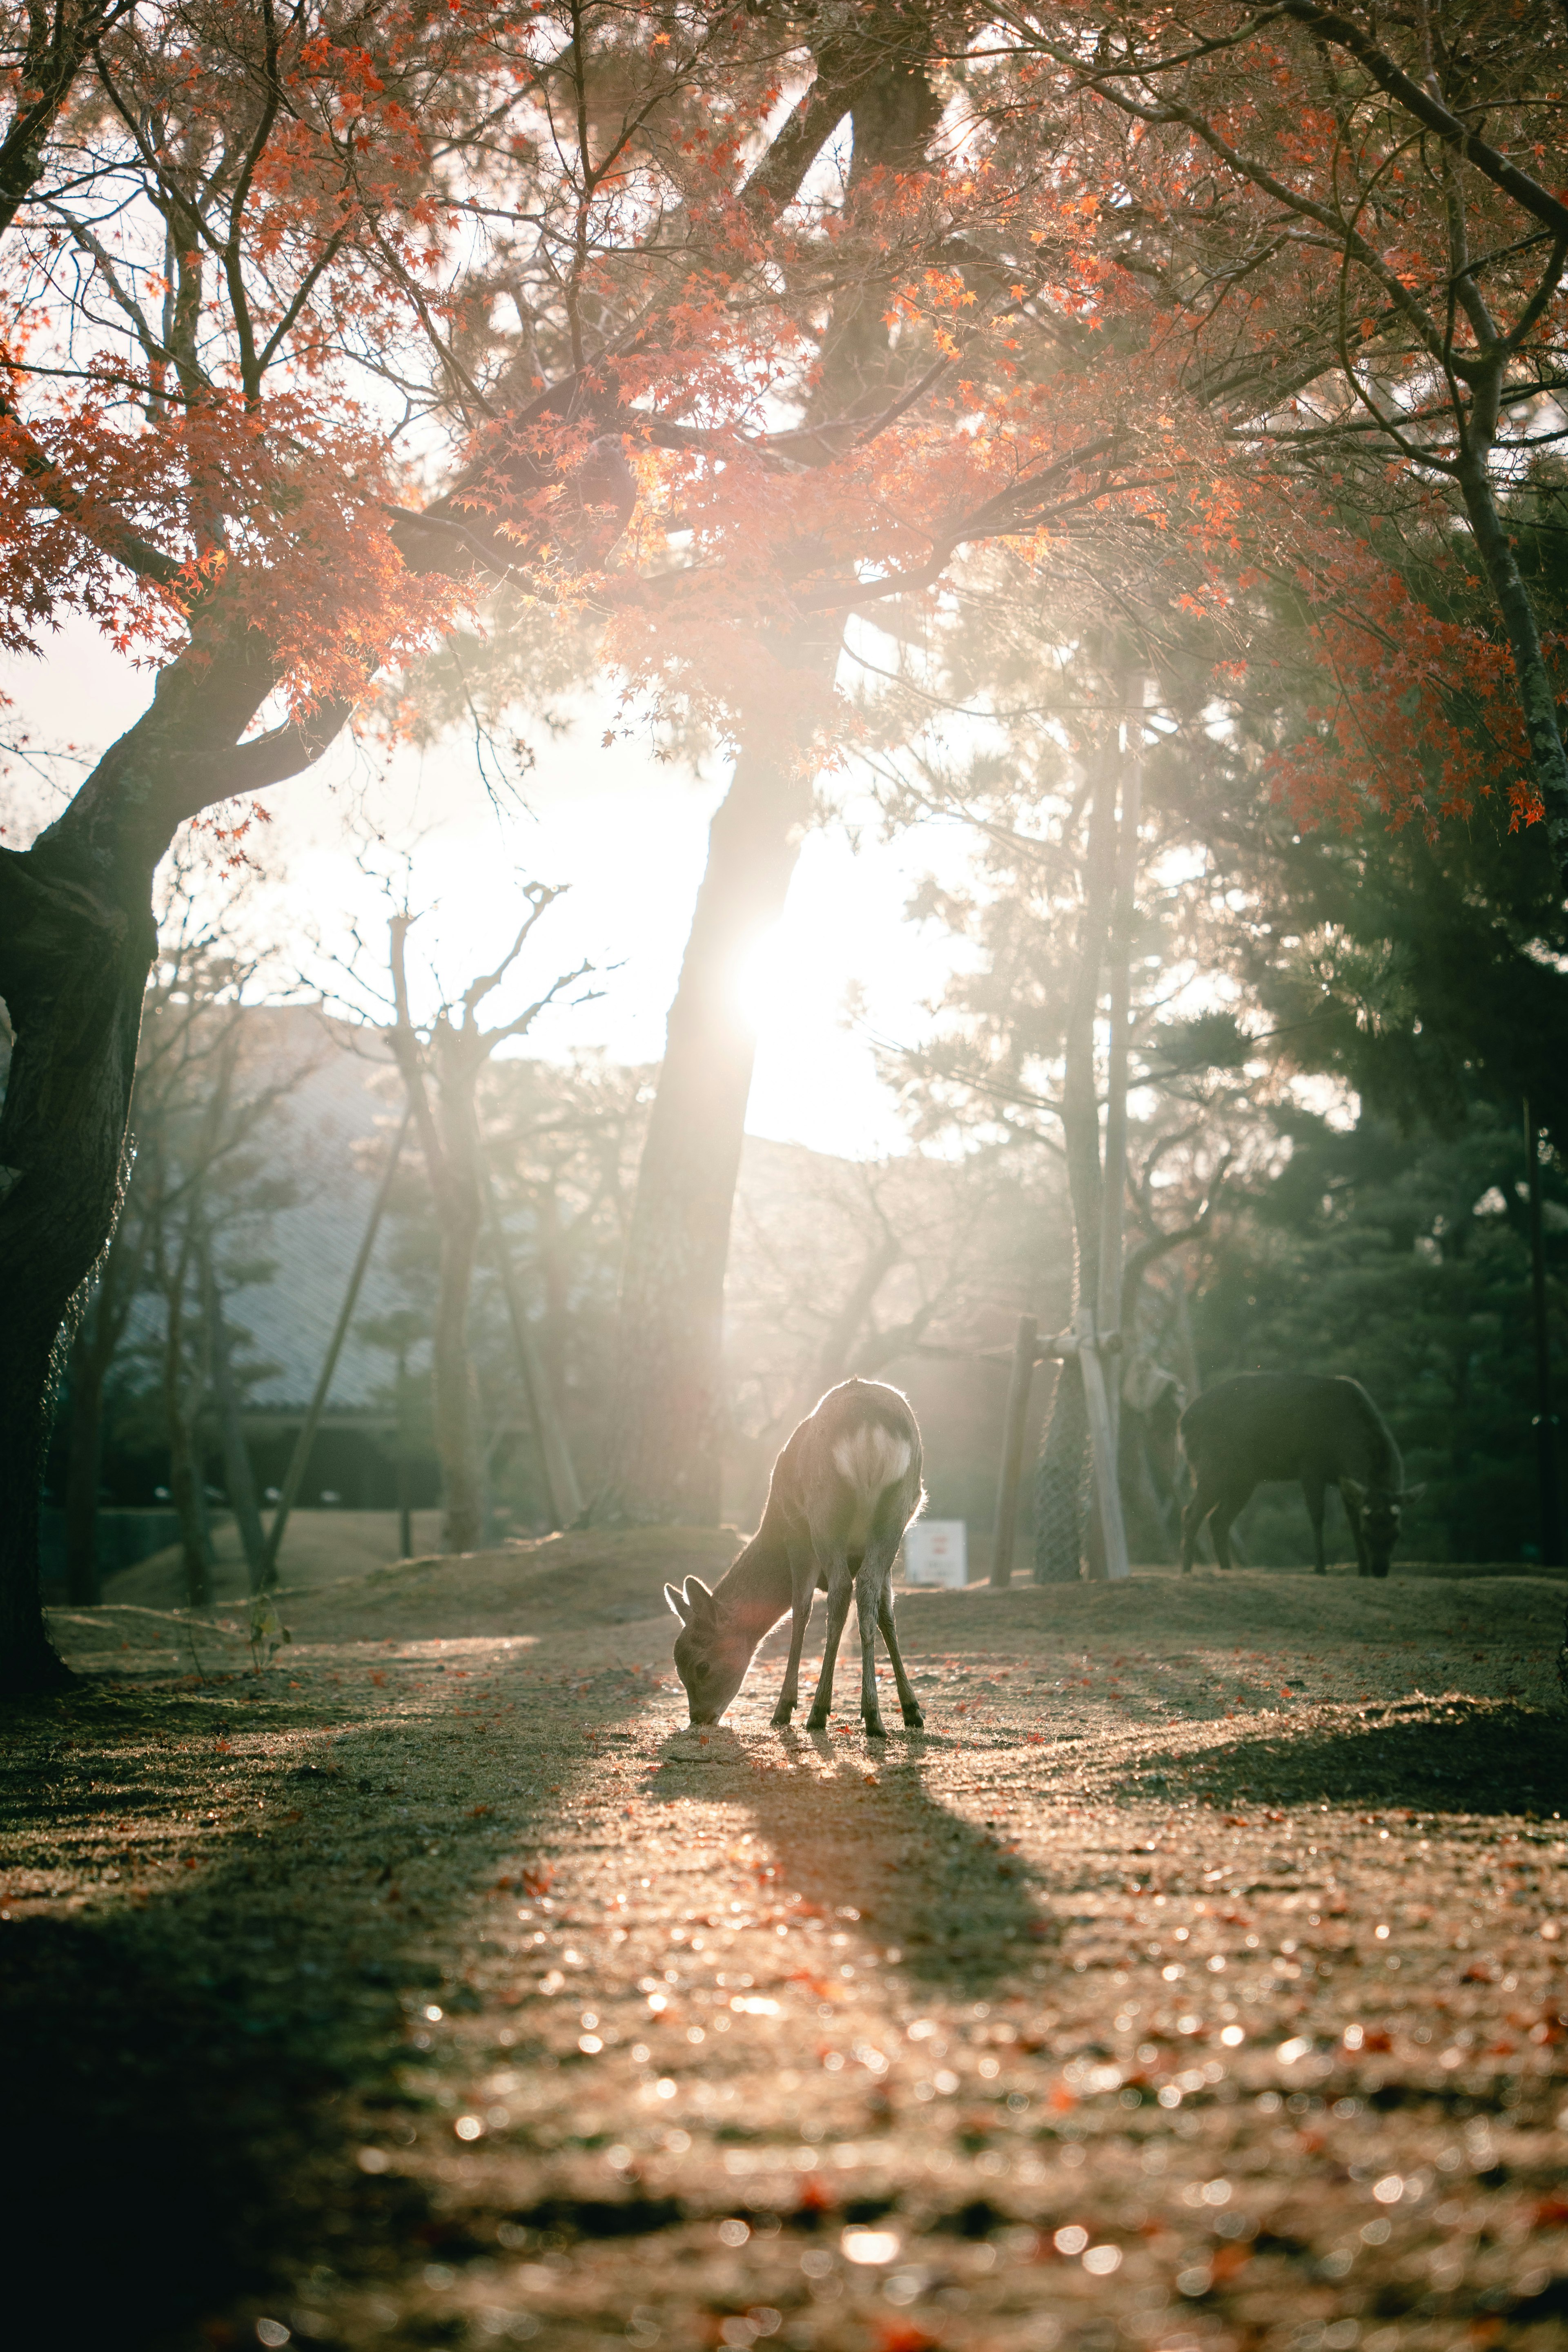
<point>1321,1428</point>
<point>843,1490</point>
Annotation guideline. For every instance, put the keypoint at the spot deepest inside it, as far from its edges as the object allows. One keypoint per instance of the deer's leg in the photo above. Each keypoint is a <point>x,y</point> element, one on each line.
<point>1313,1490</point>
<point>868,1589</point>
<point>1226,1509</point>
<point>907,1699</point>
<point>803,1592</point>
<point>1363,1557</point>
<point>1193,1518</point>
<point>840,1585</point>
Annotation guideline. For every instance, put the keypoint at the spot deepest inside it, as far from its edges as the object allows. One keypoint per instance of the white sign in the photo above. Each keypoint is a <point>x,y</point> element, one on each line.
<point>936,1551</point>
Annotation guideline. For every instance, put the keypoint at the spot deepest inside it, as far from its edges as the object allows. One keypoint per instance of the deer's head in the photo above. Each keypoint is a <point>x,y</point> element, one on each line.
<point>711,1654</point>
<point>1380,1510</point>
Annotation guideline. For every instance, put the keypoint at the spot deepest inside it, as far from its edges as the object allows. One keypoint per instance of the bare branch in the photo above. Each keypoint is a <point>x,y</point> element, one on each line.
<point>541,895</point>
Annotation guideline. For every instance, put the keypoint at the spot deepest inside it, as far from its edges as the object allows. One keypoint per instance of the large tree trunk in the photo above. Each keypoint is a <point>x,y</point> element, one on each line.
<point>1061,1481</point>
<point>93,1347</point>
<point>77,942</point>
<point>663,1449</point>
<point>73,968</point>
<point>84,1462</point>
<point>1533,679</point>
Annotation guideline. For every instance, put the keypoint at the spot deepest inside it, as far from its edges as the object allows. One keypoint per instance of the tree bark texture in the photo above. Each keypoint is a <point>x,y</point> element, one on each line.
<point>1061,1482</point>
<point>93,1345</point>
<point>73,968</point>
<point>1537,702</point>
<point>84,1462</point>
<point>76,942</point>
<point>668,1415</point>
<point>663,1450</point>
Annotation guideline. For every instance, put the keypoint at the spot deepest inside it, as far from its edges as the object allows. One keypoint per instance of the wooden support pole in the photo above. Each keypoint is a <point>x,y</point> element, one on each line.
<point>1102,1440</point>
<point>1545,1418</point>
<point>560,1473</point>
<point>268,1578</point>
<point>1005,1526</point>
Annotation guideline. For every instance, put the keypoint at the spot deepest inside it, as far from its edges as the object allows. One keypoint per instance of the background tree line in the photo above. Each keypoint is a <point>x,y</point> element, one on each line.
<point>1091,356</point>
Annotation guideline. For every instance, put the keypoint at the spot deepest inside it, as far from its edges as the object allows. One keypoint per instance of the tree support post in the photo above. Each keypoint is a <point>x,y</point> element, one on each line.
<point>560,1473</point>
<point>267,1577</point>
<point>1545,1418</point>
<point>1017,1414</point>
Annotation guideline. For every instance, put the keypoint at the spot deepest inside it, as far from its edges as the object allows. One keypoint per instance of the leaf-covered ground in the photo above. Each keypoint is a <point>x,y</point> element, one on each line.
<point>1194,1981</point>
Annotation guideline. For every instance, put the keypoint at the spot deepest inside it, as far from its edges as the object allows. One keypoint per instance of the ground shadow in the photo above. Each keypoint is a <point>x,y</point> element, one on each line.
<point>866,1843</point>
<point>182,2071</point>
<point>1452,1756</point>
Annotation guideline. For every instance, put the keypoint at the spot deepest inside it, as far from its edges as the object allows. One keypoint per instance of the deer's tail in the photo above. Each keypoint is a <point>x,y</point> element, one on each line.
<point>872,1459</point>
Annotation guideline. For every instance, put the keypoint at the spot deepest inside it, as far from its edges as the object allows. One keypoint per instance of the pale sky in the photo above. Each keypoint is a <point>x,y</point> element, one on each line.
<point>630,835</point>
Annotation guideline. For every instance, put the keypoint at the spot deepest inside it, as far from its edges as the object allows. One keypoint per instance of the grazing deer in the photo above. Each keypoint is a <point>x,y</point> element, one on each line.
<point>1325,1432</point>
<point>844,1489</point>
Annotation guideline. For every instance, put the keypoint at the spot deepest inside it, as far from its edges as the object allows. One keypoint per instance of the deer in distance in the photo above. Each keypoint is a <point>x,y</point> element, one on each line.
<point>1322,1430</point>
<point>843,1488</point>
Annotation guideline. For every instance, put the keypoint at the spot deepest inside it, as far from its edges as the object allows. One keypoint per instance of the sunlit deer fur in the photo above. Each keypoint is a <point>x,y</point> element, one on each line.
<point>843,1490</point>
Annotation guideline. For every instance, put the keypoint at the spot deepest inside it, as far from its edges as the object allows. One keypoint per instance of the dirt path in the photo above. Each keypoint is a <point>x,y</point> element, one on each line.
<point>1193,1981</point>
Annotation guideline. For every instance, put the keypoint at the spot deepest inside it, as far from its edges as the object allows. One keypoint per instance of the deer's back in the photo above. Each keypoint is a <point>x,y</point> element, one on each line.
<point>1267,1425</point>
<point>859,1447</point>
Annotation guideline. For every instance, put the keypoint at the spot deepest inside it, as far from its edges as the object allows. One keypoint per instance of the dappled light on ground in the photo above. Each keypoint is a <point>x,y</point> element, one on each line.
<point>1194,1981</point>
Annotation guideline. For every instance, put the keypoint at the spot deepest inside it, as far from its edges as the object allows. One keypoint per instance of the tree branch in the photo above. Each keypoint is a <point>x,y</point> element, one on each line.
<point>286,750</point>
<point>97,522</point>
<point>539,895</point>
<point>1430,111</point>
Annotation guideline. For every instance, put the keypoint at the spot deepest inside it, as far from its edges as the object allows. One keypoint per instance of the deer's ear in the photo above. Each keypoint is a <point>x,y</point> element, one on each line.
<point>1414,1494</point>
<point>698,1599</point>
<point>1352,1491</point>
<point>678,1604</point>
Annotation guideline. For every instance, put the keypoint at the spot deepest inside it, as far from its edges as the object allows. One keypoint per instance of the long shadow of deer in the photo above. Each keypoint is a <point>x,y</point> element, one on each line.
<point>866,1843</point>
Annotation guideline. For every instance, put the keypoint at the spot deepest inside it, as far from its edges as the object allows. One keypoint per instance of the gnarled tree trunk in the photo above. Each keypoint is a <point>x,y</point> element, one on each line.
<point>665,1447</point>
<point>76,942</point>
<point>93,1345</point>
<point>73,960</point>
<point>664,1451</point>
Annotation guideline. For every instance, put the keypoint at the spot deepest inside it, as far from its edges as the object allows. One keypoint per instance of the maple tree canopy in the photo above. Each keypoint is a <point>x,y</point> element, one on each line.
<point>1348,216</point>
<point>286,273</point>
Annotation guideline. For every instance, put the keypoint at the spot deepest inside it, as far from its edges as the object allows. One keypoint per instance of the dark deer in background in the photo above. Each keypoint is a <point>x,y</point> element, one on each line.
<point>1323,1430</point>
<point>843,1490</point>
